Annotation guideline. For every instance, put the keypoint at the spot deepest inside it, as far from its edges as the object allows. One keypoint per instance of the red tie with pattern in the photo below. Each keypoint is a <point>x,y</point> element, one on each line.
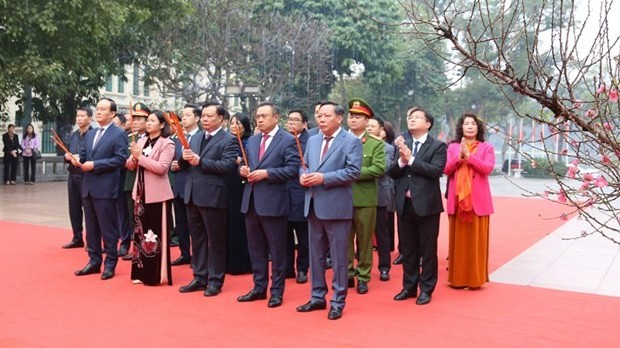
<point>325,147</point>
<point>263,145</point>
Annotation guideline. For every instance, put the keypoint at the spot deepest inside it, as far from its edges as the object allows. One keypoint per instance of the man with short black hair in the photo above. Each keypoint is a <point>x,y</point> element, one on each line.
<point>101,160</point>
<point>212,156</point>
<point>420,164</point>
<point>83,119</point>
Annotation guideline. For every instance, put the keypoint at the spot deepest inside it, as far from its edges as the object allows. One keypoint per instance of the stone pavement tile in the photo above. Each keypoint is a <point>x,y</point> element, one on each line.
<point>579,279</point>
<point>577,257</point>
<point>519,271</point>
<point>609,287</point>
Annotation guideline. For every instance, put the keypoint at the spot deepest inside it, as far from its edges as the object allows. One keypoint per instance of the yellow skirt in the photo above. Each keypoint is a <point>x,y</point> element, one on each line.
<point>468,254</point>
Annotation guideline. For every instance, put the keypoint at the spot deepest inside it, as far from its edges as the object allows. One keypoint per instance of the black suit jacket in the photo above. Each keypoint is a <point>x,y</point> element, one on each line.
<point>10,145</point>
<point>205,184</point>
<point>421,178</point>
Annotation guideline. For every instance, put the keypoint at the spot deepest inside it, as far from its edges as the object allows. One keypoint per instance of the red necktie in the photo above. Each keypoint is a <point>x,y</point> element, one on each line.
<point>325,147</point>
<point>263,145</point>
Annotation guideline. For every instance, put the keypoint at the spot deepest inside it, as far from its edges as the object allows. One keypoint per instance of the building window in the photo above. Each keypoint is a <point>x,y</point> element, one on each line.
<point>136,80</point>
<point>121,84</point>
<point>146,90</point>
<point>108,83</point>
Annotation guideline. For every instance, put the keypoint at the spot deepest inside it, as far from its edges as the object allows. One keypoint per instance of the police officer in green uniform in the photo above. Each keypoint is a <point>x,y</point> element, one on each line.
<point>365,195</point>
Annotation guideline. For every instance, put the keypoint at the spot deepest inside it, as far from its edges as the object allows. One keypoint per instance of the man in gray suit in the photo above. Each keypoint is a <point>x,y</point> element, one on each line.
<point>273,160</point>
<point>334,159</point>
<point>211,157</point>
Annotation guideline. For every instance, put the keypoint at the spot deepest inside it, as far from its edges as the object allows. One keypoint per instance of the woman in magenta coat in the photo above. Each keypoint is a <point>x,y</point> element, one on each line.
<point>470,161</point>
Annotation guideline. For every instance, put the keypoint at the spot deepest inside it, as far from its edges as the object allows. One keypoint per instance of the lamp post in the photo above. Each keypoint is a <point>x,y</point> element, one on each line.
<point>243,92</point>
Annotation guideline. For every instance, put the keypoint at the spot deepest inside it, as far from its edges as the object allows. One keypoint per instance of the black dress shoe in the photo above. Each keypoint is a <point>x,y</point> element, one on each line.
<point>423,299</point>
<point>405,294</point>
<point>274,301</point>
<point>108,273</point>
<point>311,306</point>
<point>194,285</point>
<point>174,241</point>
<point>384,276</point>
<point>398,260</point>
<point>302,278</point>
<point>362,287</point>
<point>182,260</point>
<point>351,283</point>
<point>212,291</point>
<point>328,262</point>
<point>334,313</point>
<point>88,269</point>
<point>74,244</point>
<point>253,295</point>
<point>122,251</point>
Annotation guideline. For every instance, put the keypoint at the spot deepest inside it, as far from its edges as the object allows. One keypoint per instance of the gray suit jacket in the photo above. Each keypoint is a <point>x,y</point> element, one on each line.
<point>333,200</point>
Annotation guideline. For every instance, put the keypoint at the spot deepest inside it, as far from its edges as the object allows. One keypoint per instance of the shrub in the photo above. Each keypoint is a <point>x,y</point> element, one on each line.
<point>542,168</point>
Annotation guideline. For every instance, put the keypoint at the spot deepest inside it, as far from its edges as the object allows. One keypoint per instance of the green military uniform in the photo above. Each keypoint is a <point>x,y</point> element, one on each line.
<point>365,197</point>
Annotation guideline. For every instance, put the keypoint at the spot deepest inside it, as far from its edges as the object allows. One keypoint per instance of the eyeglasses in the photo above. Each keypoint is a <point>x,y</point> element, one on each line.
<point>294,120</point>
<point>417,117</point>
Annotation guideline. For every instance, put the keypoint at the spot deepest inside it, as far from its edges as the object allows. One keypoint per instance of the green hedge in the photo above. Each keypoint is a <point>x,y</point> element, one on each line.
<point>541,168</point>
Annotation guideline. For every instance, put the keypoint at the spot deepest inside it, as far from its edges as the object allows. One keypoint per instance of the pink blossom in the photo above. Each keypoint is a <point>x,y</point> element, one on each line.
<point>577,104</point>
<point>600,182</point>
<point>608,126</point>
<point>584,186</point>
<point>564,152</point>
<point>575,162</point>
<point>564,217</point>
<point>561,197</point>
<point>613,95</point>
<point>570,173</point>
<point>588,177</point>
<point>592,113</point>
<point>606,160</point>
<point>601,89</point>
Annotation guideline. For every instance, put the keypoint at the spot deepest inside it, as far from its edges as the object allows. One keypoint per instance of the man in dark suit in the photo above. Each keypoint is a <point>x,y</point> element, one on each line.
<point>101,161</point>
<point>417,170</point>
<point>77,141</point>
<point>297,223</point>
<point>189,120</point>
<point>272,161</point>
<point>334,160</point>
<point>212,156</point>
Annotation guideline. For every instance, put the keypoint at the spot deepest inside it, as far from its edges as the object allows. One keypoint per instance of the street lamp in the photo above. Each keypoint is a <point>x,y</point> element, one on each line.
<point>242,91</point>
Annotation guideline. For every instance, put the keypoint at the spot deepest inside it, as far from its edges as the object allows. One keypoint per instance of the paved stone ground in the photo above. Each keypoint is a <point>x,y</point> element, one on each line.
<point>590,265</point>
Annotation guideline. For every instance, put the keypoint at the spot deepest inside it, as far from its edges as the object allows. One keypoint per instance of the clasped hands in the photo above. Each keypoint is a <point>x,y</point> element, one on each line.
<point>464,150</point>
<point>254,175</point>
<point>404,152</point>
<point>311,179</point>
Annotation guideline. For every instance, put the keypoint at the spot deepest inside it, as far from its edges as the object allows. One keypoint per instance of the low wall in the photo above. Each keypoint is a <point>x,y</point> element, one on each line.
<point>49,168</point>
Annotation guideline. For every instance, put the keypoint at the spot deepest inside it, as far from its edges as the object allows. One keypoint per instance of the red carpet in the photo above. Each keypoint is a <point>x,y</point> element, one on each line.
<point>44,305</point>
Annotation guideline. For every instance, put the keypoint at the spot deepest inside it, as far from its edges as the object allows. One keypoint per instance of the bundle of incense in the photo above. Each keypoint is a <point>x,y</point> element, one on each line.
<point>133,134</point>
<point>301,154</point>
<point>56,138</point>
<point>245,159</point>
<point>172,120</point>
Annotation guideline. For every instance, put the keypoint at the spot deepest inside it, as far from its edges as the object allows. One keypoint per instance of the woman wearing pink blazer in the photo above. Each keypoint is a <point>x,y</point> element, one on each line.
<point>151,157</point>
<point>470,161</point>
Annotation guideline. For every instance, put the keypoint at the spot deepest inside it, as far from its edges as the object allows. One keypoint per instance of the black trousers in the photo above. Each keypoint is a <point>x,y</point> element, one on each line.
<point>10,167</point>
<point>30,168</point>
<point>207,227</point>
<point>303,257</point>
<point>181,228</point>
<point>76,213</point>
<point>418,241</point>
<point>383,239</point>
